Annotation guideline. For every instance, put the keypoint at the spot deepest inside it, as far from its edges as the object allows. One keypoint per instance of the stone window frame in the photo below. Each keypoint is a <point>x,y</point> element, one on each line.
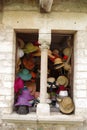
<point>42,115</point>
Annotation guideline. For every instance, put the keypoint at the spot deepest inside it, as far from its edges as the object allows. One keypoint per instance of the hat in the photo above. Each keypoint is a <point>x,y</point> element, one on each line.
<point>20,43</point>
<point>62,80</point>
<point>67,66</point>
<point>29,48</point>
<point>50,54</point>
<point>67,51</point>
<point>51,79</point>
<point>57,61</point>
<point>20,53</point>
<point>24,74</point>
<point>37,53</point>
<point>18,84</point>
<point>66,105</point>
<point>28,62</point>
<point>24,98</point>
<point>55,52</point>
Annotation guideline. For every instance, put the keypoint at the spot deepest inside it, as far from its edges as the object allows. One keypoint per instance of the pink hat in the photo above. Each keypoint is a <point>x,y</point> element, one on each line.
<point>19,84</point>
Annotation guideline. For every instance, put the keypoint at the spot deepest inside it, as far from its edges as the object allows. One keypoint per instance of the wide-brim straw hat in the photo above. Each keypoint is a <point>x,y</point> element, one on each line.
<point>29,48</point>
<point>58,61</point>
<point>62,80</point>
<point>67,51</point>
<point>66,106</point>
<point>24,75</point>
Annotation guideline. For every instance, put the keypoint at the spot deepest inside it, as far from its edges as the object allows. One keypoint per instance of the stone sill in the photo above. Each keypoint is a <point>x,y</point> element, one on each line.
<point>55,118</point>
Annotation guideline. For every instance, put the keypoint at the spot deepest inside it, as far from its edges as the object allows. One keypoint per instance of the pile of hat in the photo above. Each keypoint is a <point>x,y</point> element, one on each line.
<point>59,96</point>
<point>26,74</point>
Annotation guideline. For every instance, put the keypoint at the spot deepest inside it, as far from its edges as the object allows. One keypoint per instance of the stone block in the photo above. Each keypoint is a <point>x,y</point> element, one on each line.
<point>81,93</point>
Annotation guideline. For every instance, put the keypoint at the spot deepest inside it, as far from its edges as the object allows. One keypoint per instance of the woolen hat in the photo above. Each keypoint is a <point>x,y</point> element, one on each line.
<point>24,75</point>
<point>66,106</point>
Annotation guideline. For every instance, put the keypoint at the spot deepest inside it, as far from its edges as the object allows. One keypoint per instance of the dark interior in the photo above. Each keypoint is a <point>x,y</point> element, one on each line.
<point>59,42</point>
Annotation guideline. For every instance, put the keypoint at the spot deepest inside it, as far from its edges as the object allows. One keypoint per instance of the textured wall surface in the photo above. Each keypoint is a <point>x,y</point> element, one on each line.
<point>70,20</point>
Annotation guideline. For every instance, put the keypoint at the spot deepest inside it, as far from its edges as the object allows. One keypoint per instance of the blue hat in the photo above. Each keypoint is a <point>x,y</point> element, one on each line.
<point>24,75</point>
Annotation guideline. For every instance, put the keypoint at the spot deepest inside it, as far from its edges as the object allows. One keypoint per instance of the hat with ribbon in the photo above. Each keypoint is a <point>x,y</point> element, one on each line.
<point>66,105</point>
<point>24,75</point>
<point>29,48</point>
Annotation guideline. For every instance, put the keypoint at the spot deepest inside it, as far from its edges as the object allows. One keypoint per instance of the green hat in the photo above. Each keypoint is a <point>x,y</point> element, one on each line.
<point>24,75</point>
<point>29,48</point>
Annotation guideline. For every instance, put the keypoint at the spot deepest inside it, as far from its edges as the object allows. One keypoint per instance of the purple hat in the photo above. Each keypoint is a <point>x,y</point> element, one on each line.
<point>24,98</point>
<point>19,84</point>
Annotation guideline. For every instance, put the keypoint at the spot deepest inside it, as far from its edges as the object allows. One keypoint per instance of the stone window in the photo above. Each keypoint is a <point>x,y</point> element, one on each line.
<point>45,64</point>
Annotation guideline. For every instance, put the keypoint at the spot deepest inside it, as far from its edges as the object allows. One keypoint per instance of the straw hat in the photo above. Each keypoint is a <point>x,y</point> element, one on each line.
<point>51,79</point>
<point>57,61</point>
<point>67,51</point>
<point>62,80</point>
<point>66,106</point>
<point>67,67</point>
<point>29,48</point>
<point>24,75</point>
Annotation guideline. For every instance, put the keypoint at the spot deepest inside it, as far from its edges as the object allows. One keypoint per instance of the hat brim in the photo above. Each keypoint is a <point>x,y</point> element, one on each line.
<point>66,111</point>
<point>58,66</point>
<point>24,77</point>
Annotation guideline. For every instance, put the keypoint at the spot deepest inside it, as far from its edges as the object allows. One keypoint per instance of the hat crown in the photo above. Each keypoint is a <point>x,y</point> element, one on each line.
<point>67,102</point>
<point>25,71</point>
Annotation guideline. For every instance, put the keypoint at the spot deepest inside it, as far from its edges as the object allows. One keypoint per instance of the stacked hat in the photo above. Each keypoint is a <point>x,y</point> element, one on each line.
<point>66,106</point>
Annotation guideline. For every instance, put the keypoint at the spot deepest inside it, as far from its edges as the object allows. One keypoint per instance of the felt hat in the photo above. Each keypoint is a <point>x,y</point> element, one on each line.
<point>29,48</point>
<point>24,98</point>
<point>24,75</point>
<point>55,52</point>
<point>67,51</point>
<point>18,84</point>
<point>50,54</point>
<point>28,62</point>
<point>62,80</point>
<point>66,106</point>
<point>67,67</point>
<point>37,53</point>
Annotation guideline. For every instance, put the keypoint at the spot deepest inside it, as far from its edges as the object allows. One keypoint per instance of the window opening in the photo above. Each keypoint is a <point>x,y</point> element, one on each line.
<point>27,72</point>
<point>60,73</point>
